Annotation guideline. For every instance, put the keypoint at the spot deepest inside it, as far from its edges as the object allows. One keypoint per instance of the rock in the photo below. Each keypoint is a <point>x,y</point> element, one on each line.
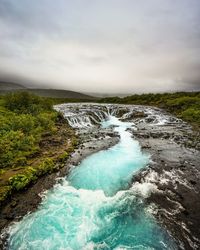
<point>139,114</point>
<point>14,203</point>
<point>166,136</point>
<point>156,135</point>
<point>185,212</point>
<point>146,146</point>
<point>149,119</point>
<point>193,182</point>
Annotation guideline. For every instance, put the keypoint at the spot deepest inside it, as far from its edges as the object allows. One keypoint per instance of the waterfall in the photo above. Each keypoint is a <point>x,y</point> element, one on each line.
<point>85,115</point>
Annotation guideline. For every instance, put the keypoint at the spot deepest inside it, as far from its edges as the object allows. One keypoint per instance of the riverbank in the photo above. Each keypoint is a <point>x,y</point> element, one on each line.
<point>28,200</point>
<point>174,174</point>
<point>35,140</point>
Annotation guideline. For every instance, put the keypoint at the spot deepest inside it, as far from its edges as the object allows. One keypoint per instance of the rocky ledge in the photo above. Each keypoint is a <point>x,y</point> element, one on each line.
<point>174,175</point>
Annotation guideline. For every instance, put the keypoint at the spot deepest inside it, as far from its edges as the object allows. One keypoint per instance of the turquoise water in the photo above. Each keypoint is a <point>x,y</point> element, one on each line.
<point>95,206</point>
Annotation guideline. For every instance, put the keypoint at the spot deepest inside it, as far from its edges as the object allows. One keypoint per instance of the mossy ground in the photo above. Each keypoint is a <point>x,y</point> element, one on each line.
<point>52,155</point>
<point>34,141</point>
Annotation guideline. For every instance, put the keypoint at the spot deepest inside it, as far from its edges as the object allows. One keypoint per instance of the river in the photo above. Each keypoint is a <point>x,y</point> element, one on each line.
<point>96,206</point>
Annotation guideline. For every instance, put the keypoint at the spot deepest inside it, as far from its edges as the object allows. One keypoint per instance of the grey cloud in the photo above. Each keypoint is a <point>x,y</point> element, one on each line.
<point>127,46</point>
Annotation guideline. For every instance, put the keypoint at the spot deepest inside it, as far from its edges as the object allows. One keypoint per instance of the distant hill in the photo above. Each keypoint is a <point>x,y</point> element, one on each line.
<point>105,95</point>
<point>9,86</point>
<point>6,87</point>
<point>57,93</point>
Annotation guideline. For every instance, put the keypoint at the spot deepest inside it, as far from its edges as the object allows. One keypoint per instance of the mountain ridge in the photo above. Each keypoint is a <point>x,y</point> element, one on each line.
<point>7,87</point>
<point>10,86</point>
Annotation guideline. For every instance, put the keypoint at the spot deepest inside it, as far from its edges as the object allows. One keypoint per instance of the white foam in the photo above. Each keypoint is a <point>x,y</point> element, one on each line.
<point>144,189</point>
<point>79,115</point>
<point>175,177</point>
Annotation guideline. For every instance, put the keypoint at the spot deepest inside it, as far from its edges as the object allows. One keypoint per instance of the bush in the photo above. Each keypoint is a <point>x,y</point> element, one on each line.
<point>15,146</point>
<point>25,123</point>
<point>184,102</point>
<point>24,119</point>
<point>5,191</point>
<point>47,121</point>
<point>47,166</point>
<point>20,181</point>
<point>26,103</point>
<point>191,115</point>
<point>63,157</point>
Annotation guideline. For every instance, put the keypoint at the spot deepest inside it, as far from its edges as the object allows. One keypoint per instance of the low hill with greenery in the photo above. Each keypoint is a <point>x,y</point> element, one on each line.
<point>6,87</point>
<point>9,86</point>
<point>56,93</point>
<point>185,105</point>
<point>34,140</point>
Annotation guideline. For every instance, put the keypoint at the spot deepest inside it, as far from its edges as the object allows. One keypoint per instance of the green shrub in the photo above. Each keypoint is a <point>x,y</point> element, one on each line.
<point>26,103</point>
<point>20,181</point>
<point>25,122</point>
<point>184,102</point>
<point>63,157</point>
<point>47,121</point>
<point>24,118</point>
<point>191,115</point>
<point>5,191</point>
<point>15,146</point>
<point>2,171</point>
<point>47,166</point>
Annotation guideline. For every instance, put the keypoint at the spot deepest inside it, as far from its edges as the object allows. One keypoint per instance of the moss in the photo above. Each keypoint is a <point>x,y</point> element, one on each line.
<point>5,192</point>
<point>2,171</point>
<point>47,166</point>
<point>75,142</point>
<point>63,157</point>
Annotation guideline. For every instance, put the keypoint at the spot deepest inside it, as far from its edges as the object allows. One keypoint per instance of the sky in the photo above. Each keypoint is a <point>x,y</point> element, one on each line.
<point>104,46</point>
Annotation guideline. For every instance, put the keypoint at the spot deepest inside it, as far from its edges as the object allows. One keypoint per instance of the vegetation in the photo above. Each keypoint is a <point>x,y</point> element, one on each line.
<point>34,140</point>
<point>184,105</point>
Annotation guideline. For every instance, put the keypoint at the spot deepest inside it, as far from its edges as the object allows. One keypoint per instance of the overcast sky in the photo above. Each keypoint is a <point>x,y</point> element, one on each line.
<point>107,46</point>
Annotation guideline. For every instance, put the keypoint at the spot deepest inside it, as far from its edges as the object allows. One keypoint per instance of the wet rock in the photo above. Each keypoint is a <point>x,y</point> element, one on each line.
<point>146,146</point>
<point>185,212</point>
<point>111,134</point>
<point>166,136</point>
<point>149,119</point>
<point>193,182</point>
<point>156,134</point>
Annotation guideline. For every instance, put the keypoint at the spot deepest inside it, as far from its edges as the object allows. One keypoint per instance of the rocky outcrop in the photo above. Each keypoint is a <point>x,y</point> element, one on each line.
<point>175,173</point>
